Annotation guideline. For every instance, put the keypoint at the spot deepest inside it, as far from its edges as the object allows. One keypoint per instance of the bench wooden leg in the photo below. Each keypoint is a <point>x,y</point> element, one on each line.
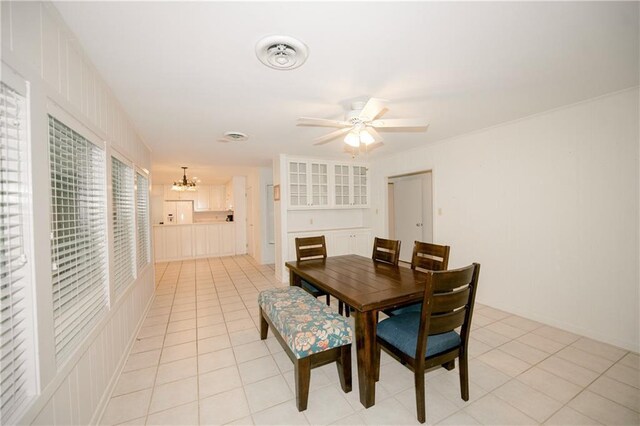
<point>264,326</point>
<point>344,368</point>
<point>303,377</point>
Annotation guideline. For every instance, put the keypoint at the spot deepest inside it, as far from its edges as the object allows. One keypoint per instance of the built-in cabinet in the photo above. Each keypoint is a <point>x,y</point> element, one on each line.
<point>176,242</point>
<point>339,241</point>
<point>316,184</point>
<point>210,198</point>
<point>308,184</point>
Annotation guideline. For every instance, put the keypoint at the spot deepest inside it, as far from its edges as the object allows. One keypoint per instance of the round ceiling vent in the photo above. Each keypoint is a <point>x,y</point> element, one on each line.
<point>282,52</point>
<point>233,137</point>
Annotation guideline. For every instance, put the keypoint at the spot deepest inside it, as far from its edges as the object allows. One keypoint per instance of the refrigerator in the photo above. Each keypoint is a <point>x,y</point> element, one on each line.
<point>178,212</point>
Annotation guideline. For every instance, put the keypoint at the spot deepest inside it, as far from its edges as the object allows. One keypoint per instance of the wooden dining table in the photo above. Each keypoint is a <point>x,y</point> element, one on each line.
<point>368,287</point>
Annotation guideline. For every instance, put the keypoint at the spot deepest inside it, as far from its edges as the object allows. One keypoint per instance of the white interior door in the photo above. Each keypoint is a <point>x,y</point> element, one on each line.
<point>407,198</point>
<point>250,227</point>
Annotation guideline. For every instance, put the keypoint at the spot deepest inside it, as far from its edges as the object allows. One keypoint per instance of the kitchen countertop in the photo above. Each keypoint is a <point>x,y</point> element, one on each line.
<point>213,222</point>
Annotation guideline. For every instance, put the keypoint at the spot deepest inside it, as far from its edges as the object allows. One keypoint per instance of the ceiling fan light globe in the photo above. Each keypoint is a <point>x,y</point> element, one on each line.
<point>366,138</point>
<point>352,139</point>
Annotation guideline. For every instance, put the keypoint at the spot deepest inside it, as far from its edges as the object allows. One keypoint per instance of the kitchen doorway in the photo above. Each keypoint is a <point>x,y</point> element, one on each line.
<point>410,208</point>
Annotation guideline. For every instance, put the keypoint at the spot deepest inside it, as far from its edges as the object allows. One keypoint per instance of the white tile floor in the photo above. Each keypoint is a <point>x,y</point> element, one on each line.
<point>199,360</point>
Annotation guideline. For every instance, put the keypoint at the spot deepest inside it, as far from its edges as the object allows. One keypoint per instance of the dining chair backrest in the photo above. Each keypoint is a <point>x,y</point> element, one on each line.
<point>387,251</point>
<point>448,304</point>
<point>430,257</point>
<point>311,248</point>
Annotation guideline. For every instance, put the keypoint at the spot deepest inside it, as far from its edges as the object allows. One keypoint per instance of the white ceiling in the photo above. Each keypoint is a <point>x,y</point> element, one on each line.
<point>186,72</point>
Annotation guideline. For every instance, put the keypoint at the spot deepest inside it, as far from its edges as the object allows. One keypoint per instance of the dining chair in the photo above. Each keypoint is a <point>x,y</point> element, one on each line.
<point>426,257</point>
<point>428,338</point>
<point>387,251</point>
<point>309,248</point>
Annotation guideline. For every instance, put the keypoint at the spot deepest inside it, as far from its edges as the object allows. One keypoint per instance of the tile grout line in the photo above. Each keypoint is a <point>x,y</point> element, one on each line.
<point>163,339</point>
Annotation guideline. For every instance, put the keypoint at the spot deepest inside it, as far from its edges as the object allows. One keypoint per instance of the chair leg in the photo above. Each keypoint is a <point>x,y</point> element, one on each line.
<point>344,368</point>
<point>464,376</point>
<point>340,307</point>
<point>376,362</point>
<point>328,300</point>
<point>420,394</point>
<point>347,308</point>
<point>264,326</point>
<point>450,365</point>
<point>303,377</point>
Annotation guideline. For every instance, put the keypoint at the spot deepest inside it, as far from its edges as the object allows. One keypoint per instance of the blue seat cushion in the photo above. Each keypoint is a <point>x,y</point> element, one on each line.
<point>416,307</point>
<point>401,331</point>
<point>310,288</point>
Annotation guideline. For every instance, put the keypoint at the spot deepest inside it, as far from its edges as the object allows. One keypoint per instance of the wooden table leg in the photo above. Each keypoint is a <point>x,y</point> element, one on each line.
<point>365,349</point>
<point>294,279</point>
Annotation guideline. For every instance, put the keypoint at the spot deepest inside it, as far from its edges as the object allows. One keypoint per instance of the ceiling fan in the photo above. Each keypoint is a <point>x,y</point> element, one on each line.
<point>360,124</point>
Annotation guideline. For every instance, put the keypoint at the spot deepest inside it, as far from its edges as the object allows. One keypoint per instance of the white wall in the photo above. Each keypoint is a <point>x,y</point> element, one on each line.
<point>280,217</point>
<point>549,206</point>
<point>239,185</point>
<point>257,181</point>
<point>41,50</point>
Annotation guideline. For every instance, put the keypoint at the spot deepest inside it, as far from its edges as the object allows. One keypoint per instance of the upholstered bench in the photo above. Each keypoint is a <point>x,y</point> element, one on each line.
<point>310,332</point>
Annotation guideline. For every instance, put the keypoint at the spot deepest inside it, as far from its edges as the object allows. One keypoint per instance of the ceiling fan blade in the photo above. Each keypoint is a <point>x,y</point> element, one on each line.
<point>400,122</point>
<point>308,121</point>
<point>372,109</point>
<point>328,137</point>
<point>376,136</point>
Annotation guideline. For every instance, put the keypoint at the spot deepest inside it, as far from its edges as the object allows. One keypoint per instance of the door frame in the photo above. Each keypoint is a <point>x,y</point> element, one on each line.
<point>433,198</point>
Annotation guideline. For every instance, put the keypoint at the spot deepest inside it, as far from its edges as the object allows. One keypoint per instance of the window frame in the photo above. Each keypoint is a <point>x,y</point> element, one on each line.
<point>78,342</point>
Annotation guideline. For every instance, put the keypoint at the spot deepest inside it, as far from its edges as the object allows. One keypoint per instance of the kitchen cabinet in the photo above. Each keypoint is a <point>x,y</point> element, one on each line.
<point>203,199</point>
<point>217,198</point>
<point>210,198</point>
<point>228,195</point>
<point>308,184</point>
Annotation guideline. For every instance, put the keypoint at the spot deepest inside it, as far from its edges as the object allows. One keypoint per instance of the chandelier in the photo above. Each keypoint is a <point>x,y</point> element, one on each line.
<point>184,184</point>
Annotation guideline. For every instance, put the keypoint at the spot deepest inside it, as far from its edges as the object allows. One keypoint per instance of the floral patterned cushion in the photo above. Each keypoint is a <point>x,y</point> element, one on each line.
<point>306,324</point>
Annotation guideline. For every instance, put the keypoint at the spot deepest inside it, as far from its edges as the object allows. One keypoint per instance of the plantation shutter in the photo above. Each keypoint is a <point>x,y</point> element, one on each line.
<point>78,242</point>
<point>16,331</point>
<point>123,224</point>
<point>142,219</point>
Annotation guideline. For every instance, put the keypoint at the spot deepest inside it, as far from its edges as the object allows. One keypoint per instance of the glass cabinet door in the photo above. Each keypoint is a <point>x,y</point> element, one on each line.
<point>360,196</point>
<point>319,184</point>
<point>342,185</point>
<point>297,183</point>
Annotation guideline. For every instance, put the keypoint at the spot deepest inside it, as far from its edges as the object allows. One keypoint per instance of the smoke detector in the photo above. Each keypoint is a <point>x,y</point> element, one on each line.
<point>233,137</point>
<point>282,52</point>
